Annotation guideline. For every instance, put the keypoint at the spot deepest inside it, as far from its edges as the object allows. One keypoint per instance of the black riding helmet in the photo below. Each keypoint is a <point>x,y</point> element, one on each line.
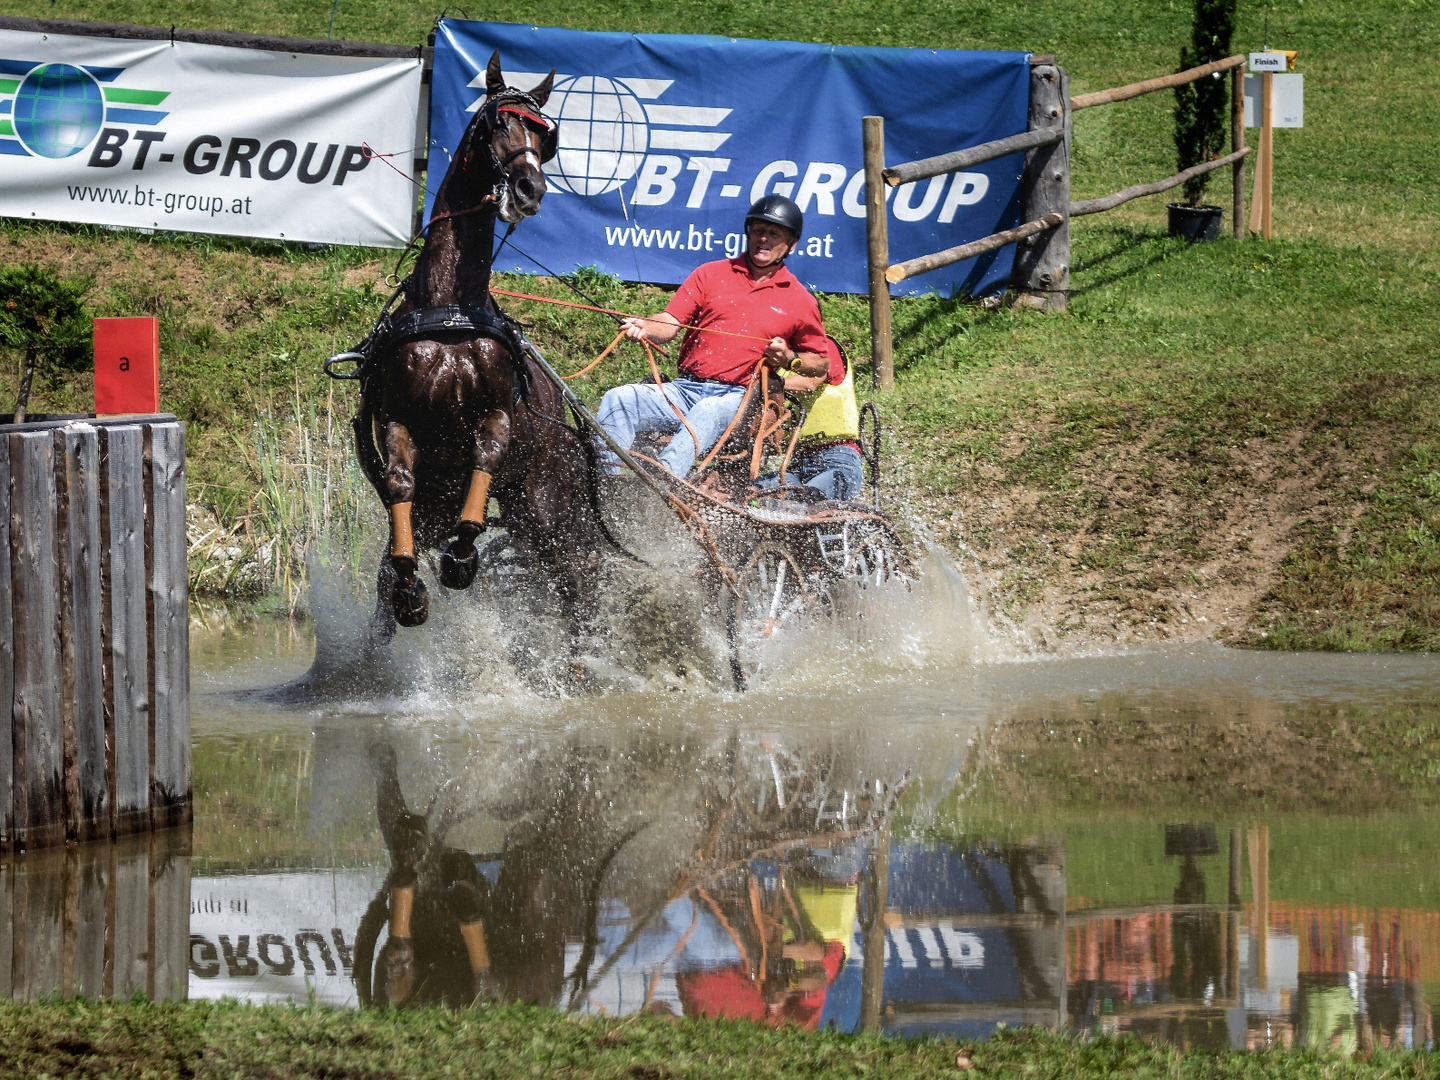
<point>778,210</point>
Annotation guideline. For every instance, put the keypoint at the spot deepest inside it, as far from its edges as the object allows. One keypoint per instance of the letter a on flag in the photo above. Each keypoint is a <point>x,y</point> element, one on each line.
<point>127,366</point>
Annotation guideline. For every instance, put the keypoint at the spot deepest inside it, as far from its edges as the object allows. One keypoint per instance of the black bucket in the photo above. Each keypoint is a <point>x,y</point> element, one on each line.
<point>1198,223</point>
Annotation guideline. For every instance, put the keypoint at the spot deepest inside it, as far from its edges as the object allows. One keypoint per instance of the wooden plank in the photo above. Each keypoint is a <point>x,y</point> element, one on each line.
<point>170,861</point>
<point>107,652</point>
<point>1109,202</point>
<point>1149,86</point>
<point>926,263</point>
<point>7,924</point>
<point>957,160</point>
<point>1041,272</point>
<point>131,964</point>
<point>129,693</point>
<point>39,735</point>
<point>170,769</point>
<point>69,919</point>
<point>39,923</point>
<point>312,46</point>
<point>65,636</point>
<point>7,670</point>
<point>112,904</point>
<point>79,445</point>
<point>93,871</point>
<point>149,533</point>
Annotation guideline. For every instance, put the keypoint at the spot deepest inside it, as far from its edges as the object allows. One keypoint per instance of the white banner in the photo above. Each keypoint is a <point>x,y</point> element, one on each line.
<point>207,138</point>
<point>278,937</point>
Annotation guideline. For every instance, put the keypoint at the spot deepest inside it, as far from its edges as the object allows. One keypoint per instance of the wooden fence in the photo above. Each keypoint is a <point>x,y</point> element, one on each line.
<point>97,920</point>
<point>1041,273</point>
<point>94,629</point>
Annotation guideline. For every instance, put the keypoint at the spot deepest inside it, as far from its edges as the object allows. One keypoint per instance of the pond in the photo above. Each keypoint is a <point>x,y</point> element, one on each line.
<point>897,827</point>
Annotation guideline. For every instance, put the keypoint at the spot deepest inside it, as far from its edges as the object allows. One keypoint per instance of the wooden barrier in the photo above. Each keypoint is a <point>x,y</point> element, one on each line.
<point>1109,202</point>
<point>1041,274</point>
<point>94,629</point>
<point>97,920</point>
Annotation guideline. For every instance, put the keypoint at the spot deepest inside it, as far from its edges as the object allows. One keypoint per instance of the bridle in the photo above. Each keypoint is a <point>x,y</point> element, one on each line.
<point>517,103</point>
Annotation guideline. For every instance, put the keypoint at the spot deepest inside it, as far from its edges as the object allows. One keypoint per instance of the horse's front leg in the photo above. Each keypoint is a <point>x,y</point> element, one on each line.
<point>408,596</point>
<point>459,561</point>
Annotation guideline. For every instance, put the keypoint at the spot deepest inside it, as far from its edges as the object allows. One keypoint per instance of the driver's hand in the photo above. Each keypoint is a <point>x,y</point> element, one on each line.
<point>635,329</point>
<point>778,354</point>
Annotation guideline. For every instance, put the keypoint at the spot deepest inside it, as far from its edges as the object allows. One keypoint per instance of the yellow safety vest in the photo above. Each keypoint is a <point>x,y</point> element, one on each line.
<point>830,909</point>
<point>833,414</point>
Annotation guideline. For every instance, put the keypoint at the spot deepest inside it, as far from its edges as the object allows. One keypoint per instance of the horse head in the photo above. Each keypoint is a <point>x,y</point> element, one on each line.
<point>507,143</point>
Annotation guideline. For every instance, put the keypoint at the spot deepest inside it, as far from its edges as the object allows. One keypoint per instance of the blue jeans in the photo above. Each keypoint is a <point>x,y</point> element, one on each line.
<point>837,470</point>
<point>637,408</point>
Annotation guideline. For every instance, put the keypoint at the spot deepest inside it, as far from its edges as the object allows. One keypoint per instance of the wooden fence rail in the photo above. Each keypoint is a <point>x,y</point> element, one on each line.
<point>1041,273</point>
<point>1119,198</point>
<point>94,629</point>
<point>926,263</point>
<point>975,155</point>
<point>1149,86</point>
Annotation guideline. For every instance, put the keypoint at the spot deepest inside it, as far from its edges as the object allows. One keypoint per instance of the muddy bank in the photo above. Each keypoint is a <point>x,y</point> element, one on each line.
<point>1264,544</point>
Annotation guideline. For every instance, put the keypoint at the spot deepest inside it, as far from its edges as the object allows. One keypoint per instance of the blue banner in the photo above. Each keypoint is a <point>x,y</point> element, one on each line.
<point>666,139</point>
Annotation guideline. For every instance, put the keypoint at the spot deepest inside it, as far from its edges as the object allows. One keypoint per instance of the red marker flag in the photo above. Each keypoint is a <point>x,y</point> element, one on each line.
<point>127,366</point>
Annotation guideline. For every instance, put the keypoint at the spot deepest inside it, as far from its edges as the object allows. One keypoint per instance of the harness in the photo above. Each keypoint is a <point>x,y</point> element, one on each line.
<point>454,318</point>
<point>430,322</point>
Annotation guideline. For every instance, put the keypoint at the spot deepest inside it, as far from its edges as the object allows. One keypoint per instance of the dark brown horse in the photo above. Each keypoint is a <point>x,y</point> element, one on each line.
<point>461,414</point>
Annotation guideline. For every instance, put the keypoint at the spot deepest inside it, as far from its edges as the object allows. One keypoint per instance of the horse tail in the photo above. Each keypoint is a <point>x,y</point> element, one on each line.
<point>592,488</point>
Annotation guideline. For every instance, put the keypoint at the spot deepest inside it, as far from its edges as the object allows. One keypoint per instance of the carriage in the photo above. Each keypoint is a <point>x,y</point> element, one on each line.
<point>781,557</point>
<point>458,409</point>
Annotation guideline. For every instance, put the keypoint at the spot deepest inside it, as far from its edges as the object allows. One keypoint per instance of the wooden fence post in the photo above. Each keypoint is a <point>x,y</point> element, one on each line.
<point>1042,262</point>
<point>1260,213</point>
<point>1237,140</point>
<point>93,629</point>
<point>877,252</point>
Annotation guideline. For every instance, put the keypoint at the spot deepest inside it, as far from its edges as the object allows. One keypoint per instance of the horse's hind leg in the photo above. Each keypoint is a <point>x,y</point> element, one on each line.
<point>459,560</point>
<point>408,597</point>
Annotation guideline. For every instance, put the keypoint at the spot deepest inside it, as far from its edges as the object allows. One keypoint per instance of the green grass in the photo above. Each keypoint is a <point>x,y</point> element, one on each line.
<point>252,808</point>
<point>140,1039</point>
<point>1205,417</point>
<point>1116,858</point>
<point>1348,795</point>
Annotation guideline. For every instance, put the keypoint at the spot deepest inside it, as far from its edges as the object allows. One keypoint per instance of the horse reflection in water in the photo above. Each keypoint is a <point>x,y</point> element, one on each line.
<point>756,924</point>
<point>455,937</point>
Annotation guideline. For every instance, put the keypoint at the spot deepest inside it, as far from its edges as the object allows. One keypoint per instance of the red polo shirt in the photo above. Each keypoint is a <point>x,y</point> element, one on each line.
<point>722,295</point>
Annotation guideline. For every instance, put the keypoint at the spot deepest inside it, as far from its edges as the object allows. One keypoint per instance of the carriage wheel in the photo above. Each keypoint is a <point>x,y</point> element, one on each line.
<point>502,566</point>
<point>774,601</point>
<point>875,564</point>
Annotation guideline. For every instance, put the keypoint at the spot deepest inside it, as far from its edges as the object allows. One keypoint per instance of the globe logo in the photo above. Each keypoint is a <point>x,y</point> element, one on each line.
<point>603,135</point>
<point>58,110</point>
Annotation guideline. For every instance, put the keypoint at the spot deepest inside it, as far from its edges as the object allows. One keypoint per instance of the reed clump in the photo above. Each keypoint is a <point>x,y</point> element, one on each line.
<point>309,501</point>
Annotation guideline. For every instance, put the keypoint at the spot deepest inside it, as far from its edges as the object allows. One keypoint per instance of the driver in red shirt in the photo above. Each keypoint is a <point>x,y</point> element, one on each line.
<point>735,312</point>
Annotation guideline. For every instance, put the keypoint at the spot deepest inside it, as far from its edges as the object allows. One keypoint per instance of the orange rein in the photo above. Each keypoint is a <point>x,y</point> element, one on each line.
<point>760,369</point>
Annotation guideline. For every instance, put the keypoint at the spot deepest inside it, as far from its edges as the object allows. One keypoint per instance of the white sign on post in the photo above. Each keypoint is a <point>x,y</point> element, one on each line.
<point>1287,104</point>
<point>207,138</point>
<point>1269,61</point>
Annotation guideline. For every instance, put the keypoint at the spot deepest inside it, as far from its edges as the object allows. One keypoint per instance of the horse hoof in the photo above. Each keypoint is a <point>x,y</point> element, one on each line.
<point>412,605</point>
<point>457,573</point>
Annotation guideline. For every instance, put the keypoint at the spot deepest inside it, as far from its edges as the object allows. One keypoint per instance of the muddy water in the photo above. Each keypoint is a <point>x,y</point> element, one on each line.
<point>897,827</point>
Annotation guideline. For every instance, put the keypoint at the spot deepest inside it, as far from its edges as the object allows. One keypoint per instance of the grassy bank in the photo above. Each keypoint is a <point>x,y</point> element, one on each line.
<point>1239,440</point>
<point>203,1040</point>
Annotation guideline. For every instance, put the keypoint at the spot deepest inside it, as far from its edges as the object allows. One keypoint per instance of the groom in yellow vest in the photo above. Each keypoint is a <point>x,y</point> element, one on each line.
<point>827,457</point>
